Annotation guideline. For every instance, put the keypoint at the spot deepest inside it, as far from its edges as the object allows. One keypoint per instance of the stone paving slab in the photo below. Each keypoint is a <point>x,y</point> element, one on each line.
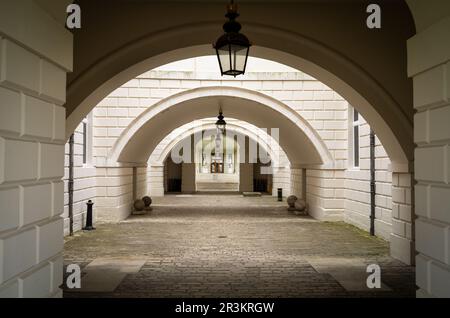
<point>350,273</point>
<point>106,274</point>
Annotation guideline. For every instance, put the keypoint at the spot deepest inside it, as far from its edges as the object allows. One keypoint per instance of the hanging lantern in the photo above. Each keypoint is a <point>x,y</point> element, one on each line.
<point>221,123</point>
<point>232,48</point>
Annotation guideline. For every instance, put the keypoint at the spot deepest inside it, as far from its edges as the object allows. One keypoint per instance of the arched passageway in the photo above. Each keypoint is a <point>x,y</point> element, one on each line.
<point>369,81</point>
<point>247,173</point>
<point>380,56</point>
<point>239,129</point>
<point>301,142</point>
<point>327,195</point>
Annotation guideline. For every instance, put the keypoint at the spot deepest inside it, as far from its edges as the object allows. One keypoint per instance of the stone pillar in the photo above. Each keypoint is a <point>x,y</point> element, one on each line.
<point>429,66</point>
<point>135,196</point>
<point>281,179</point>
<point>155,184</point>
<point>141,190</point>
<point>324,194</point>
<point>188,178</point>
<point>402,236</point>
<point>115,202</point>
<point>35,55</point>
<point>297,186</point>
<point>246,177</point>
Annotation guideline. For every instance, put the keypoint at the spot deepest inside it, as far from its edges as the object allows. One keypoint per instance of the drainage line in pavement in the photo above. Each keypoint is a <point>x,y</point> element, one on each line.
<point>372,183</point>
<point>71,153</point>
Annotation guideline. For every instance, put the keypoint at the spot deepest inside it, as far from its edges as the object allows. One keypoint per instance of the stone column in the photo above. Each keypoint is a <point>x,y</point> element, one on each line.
<point>297,187</point>
<point>281,179</point>
<point>116,202</point>
<point>141,190</point>
<point>155,183</point>
<point>402,236</point>
<point>324,194</point>
<point>429,66</point>
<point>35,55</point>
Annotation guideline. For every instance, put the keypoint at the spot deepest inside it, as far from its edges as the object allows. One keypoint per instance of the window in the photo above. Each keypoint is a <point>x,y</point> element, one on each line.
<point>86,131</point>
<point>355,138</point>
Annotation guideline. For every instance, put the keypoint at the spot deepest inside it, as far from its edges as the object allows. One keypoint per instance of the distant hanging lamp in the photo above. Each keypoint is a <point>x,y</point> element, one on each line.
<point>221,124</point>
<point>232,48</point>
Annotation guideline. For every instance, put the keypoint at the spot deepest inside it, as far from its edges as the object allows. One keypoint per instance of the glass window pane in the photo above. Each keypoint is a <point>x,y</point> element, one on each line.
<point>84,143</point>
<point>356,146</point>
<point>355,115</point>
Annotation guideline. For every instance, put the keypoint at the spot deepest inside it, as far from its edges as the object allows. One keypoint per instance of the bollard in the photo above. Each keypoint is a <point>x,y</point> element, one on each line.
<point>280,194</point>
<point>89,226</point>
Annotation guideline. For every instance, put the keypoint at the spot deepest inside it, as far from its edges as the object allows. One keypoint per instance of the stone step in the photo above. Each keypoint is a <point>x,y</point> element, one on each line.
<point>252,194</point>
<point>217,186</point>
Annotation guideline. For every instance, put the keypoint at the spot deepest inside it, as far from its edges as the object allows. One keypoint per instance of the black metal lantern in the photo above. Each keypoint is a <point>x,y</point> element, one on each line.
<point>221,123</point>
<point>232,48</point>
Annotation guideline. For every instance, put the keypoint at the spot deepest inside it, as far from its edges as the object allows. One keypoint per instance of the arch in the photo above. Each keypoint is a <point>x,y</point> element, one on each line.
<point>186,132</point>
<point>384,99</point>
<point>170,113</point>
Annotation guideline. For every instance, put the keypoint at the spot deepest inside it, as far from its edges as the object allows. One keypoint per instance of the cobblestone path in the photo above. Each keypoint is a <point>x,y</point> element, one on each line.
<point>229,246</point>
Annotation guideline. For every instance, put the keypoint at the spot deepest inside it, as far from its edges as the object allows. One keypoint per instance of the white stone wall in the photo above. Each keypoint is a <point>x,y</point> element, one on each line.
<point>429,66</point>
<point>323,108</point>
<point>296,183</point>
<point>402,236</point>
<point>114,201</point>
<point>357,187</point>
<point>282,180</point>
<point>35,54</point>
<point>325,194</point>
<point>84,184</point>
<point>155,180</point>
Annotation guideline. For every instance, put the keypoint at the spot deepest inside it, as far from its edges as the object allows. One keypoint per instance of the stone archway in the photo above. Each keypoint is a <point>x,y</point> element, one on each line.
<point>244,132</point>
<point>380,93</point>
<point>397,151</point>
<point>301,142</point>
<point>268,143</point>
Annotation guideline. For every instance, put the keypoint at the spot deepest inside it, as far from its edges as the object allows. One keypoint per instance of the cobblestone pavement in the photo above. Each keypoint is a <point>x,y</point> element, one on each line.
<point>229,246</point>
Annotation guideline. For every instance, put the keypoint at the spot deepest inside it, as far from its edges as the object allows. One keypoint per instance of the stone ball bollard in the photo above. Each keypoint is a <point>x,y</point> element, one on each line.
<point>301,207</point>
<point>291,202</point>
<point>139,207</point>
<point>148,202</point>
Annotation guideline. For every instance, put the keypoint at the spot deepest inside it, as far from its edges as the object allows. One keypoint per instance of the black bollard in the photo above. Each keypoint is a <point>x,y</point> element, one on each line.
<point>280,194</point>
<point>89,226</point>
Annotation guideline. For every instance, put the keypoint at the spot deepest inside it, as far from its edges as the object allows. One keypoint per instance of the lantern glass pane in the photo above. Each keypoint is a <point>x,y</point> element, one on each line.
<point>239,58</point>
<point>224,58</point>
